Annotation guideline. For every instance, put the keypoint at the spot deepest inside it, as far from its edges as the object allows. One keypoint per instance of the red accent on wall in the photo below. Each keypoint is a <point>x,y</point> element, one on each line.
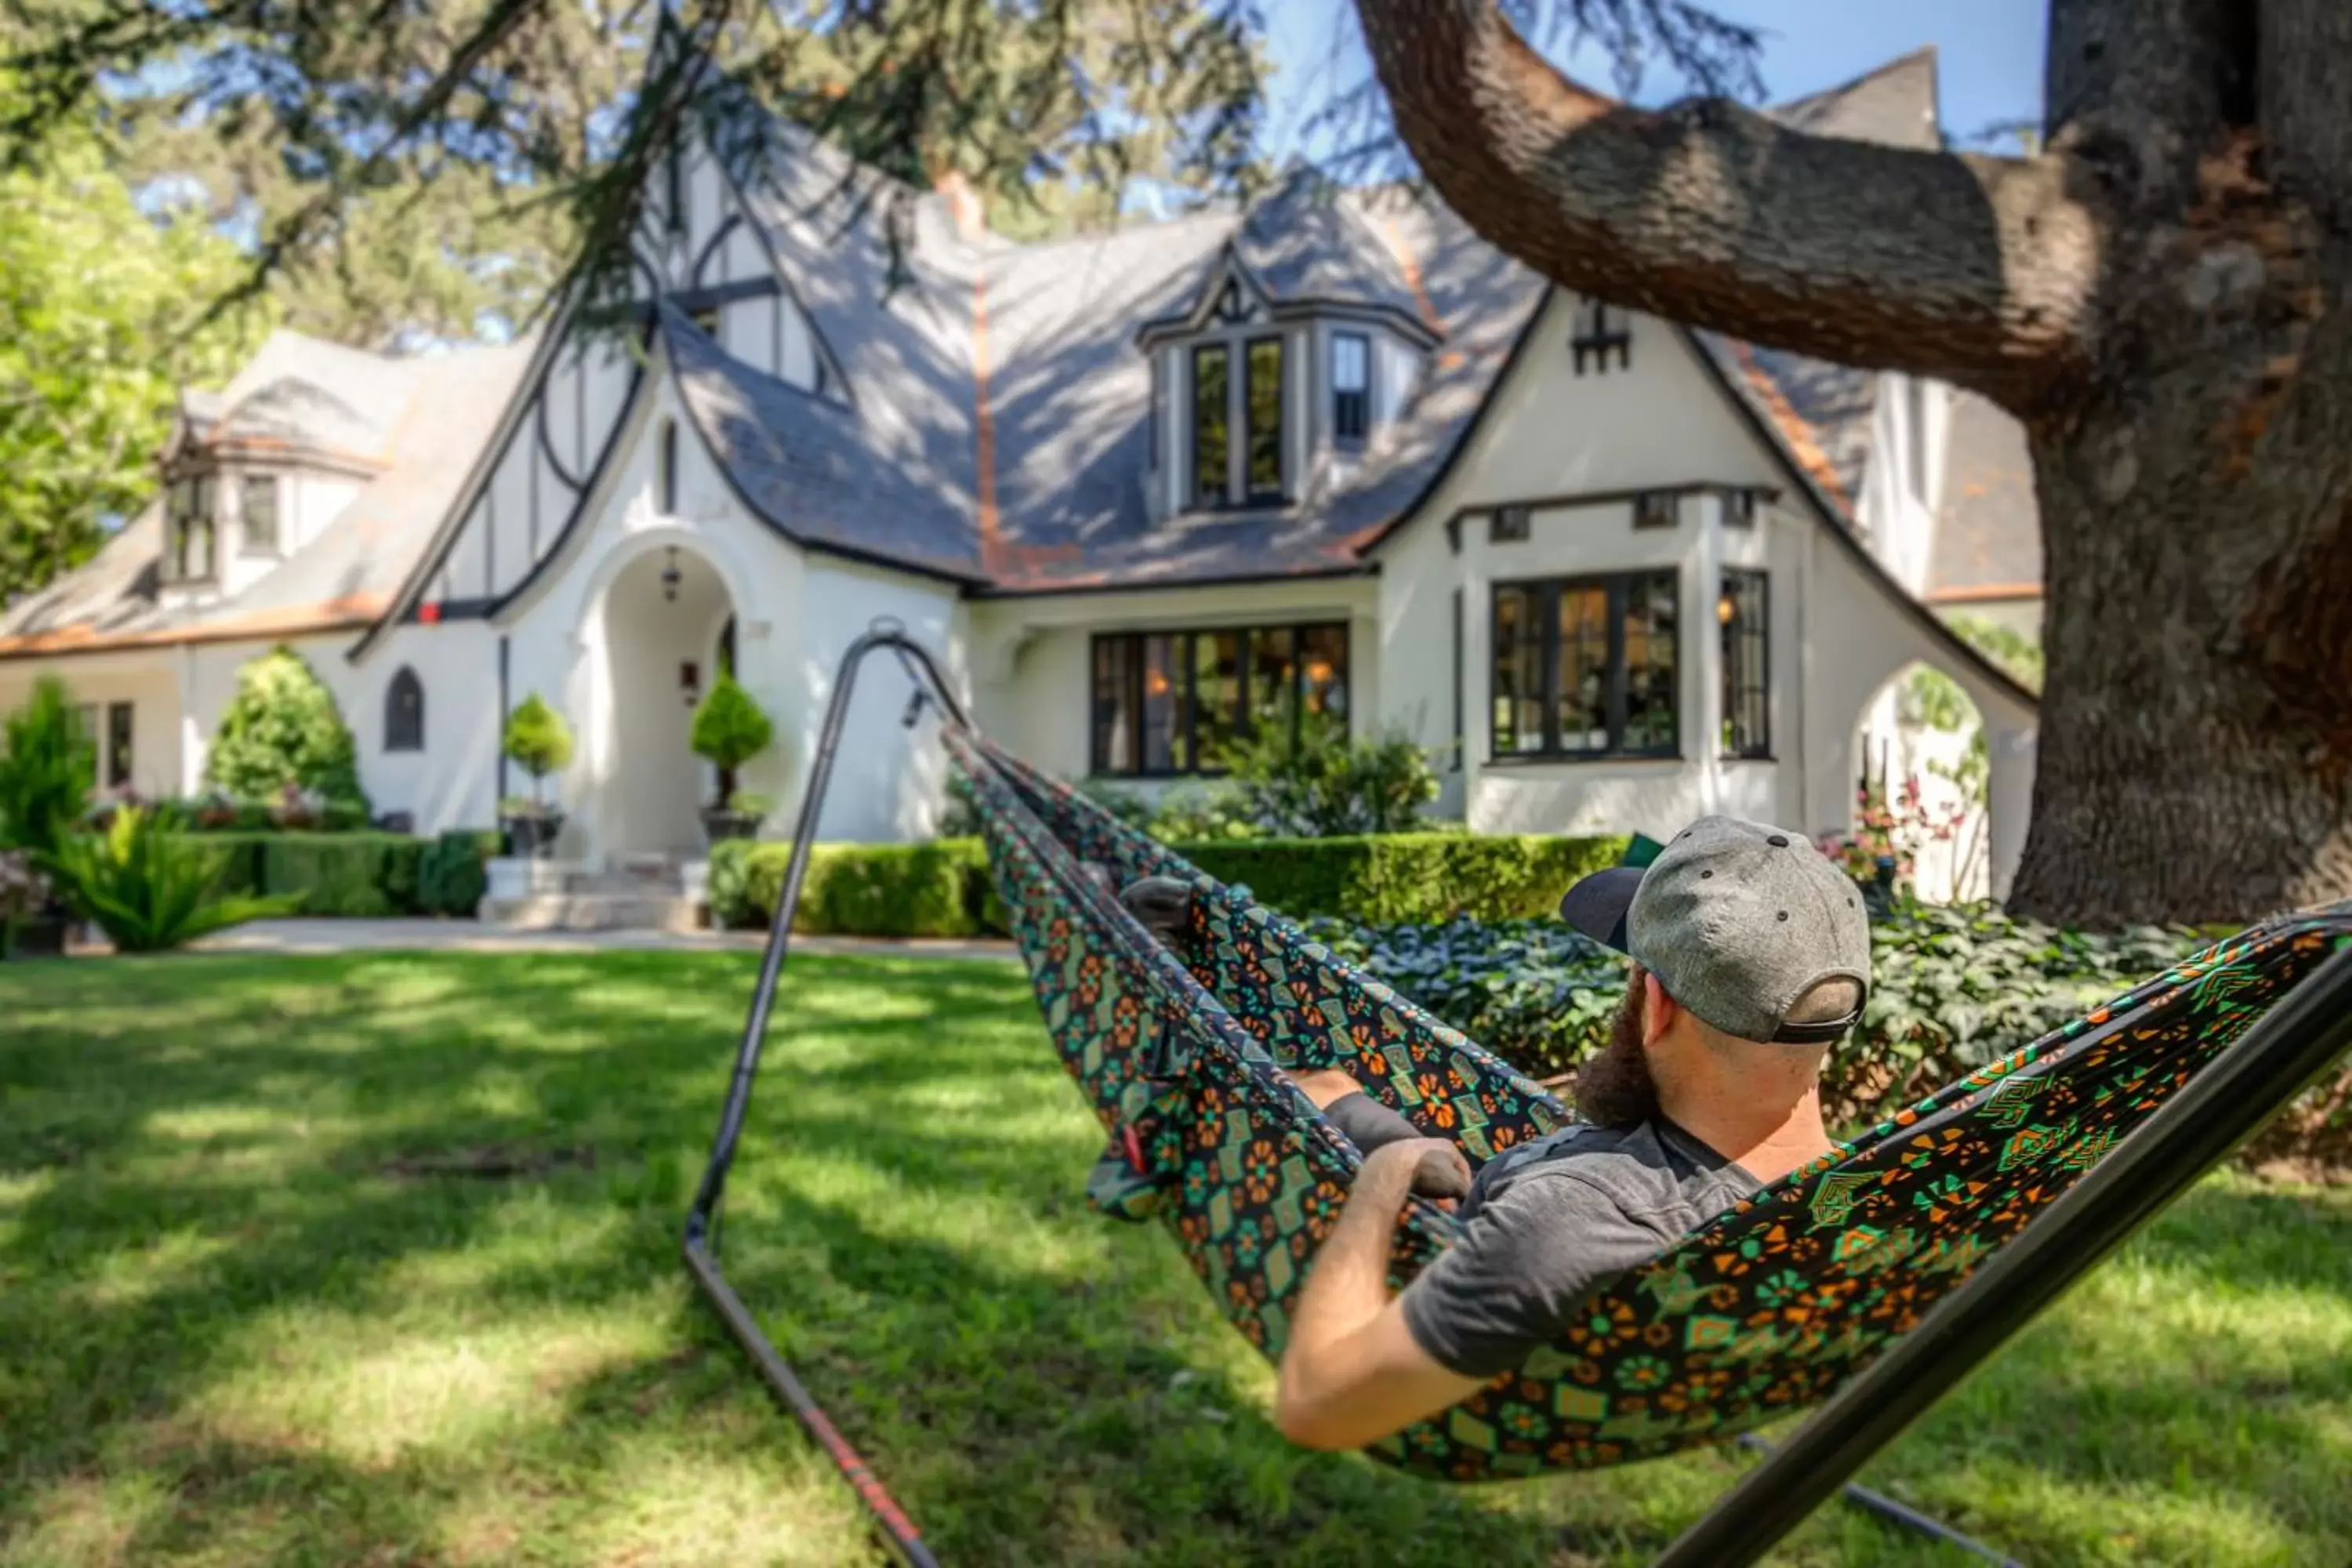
<point>429,614</point>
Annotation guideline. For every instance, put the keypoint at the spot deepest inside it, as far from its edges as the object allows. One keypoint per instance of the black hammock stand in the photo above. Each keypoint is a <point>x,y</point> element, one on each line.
<point>2183,1103</point>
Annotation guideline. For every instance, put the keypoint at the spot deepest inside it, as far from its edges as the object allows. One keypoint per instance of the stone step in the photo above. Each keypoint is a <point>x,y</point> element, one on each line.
<point>592,911</point>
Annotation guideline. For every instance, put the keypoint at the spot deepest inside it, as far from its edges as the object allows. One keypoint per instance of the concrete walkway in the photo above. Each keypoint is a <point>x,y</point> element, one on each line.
<point>293,937</point>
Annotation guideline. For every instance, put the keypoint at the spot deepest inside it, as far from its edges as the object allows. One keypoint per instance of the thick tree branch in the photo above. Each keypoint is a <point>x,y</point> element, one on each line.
<point>1981,271</point>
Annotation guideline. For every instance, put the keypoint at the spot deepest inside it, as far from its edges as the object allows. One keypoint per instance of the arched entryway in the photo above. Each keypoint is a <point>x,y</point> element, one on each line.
<point>667,622</point>
<point>1924,754</point>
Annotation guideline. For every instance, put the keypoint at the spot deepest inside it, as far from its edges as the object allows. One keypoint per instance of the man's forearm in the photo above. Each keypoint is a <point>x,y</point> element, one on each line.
<point>1349,1284</point>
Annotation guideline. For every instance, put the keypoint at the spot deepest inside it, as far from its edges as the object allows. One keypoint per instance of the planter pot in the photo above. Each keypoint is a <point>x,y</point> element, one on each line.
<point>720,826</point>
<point>506,878</point>
<point>533,837</point>
<point>40,937</point>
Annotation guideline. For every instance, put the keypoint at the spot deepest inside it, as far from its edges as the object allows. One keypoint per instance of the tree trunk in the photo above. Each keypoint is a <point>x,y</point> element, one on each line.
<point>2154,297</point>
<point>2196,727</point>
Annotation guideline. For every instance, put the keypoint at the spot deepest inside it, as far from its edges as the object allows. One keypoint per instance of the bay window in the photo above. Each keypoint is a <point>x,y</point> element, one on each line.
<point>1170,702</point>
<point>1585,667</point>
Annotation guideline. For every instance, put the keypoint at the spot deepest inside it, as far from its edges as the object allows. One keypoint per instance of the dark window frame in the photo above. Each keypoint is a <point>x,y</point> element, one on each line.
<point>1254,494</point>
<point>121,743</point>
<point>248,487</point>
<point>1657,509</point>
<point>1351,406</point>
<point>1100,764</point>
<point>1156,419</point>
<point>404,711</point>
<point>666,474</point>
<point>1544,595</point>
<point>1513,524</point>
<point>1461,678</point>
<point>1203,498</point>
<point>1746,665</point>
<point>1740,509</point>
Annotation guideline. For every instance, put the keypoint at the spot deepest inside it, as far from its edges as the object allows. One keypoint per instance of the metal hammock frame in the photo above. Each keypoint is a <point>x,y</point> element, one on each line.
<point>2280,1056</point>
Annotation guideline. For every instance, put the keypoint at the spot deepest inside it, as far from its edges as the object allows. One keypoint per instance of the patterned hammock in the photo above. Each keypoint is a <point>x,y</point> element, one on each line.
<point>1767,1311</point>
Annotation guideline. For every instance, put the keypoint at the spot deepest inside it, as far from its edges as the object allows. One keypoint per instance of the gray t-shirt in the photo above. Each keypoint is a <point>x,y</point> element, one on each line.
<point>1545,1223</point>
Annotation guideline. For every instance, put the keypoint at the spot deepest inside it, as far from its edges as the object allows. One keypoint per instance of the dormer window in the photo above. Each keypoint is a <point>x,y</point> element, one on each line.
<point>1352,388</point>
<point>256,501</point>
<point>189,531</point>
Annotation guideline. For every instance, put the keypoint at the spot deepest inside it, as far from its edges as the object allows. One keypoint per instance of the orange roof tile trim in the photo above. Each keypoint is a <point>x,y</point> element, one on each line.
<point>1794,428</point>
<point>1971,593</point>
<point>345,614</point>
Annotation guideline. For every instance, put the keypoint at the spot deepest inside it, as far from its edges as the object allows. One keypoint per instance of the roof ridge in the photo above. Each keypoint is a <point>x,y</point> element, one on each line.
<point>1929,52</point>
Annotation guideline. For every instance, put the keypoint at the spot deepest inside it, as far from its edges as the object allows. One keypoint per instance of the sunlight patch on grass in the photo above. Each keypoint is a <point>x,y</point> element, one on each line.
<point>86,1521</point>
<point>366,1390</point>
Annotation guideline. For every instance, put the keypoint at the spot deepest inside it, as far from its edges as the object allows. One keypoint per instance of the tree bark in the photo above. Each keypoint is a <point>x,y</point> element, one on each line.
<point>2152,296</point>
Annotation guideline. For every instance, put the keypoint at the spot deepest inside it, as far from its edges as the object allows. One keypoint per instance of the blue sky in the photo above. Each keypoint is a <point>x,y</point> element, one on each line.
<point>1988,65</point>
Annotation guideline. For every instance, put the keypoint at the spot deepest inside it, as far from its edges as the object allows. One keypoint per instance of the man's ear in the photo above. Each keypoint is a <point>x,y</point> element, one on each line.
<point>1658,1010</point>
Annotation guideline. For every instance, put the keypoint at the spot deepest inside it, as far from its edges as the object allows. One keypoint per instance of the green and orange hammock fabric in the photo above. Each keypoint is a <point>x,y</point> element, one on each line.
<point>1765,1311</point>
<point>1772,1307</point>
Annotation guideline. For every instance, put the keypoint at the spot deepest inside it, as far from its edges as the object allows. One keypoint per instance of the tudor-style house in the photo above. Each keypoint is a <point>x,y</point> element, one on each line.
<point>1332,453</point>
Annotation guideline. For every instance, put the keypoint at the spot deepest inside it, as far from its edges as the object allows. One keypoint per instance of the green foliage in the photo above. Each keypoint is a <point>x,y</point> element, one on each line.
<point>1321,783</point>
<point>2013,651</point>
<point>47,766</point>
<point>1933,699</point>
<point>942,887</point>
<point>451,878</point>
<point>730,730</point>
<point>1407,875</point>
<point>283,734</point>
<point>151,888</point>
<point>537,741</point>
<point>365,874</point>
<point>1951,989</point>
<point>854,890</point>
<point>1201,813</point>
<point>100,306</point>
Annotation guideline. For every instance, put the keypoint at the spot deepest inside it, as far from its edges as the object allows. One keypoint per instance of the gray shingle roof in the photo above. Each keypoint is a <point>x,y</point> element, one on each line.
<point>1988,530</point>
<point>812,467</point>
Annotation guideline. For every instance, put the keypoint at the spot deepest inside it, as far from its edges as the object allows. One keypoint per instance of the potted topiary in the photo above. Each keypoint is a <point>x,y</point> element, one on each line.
<point>730,730</point>
<point>539,742</point>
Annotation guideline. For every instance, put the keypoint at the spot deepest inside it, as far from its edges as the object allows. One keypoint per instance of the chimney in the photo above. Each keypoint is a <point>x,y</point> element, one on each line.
<point>968,212</point>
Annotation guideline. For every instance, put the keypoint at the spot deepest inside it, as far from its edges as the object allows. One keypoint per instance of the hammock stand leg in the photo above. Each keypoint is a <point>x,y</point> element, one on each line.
<point>701,1240</point>
<point>2282,1055</point>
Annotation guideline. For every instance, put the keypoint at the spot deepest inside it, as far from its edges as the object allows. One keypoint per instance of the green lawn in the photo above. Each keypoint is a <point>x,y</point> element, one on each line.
<point>250,1314</point>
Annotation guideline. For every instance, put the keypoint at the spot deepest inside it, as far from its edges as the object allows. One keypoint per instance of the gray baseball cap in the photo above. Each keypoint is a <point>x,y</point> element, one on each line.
<point>1738,920</point>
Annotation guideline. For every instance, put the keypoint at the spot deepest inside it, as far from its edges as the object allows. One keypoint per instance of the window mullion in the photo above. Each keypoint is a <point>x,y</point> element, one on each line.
<point>1547,674</point>
<point>1613,604</point>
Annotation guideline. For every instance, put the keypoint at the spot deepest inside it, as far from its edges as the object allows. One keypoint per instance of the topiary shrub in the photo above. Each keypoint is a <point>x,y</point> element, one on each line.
<point>1392,877</point>
<point>283,732</point>
<point>1316,783</point>
<point>730,730</point>
<point>538,742</point>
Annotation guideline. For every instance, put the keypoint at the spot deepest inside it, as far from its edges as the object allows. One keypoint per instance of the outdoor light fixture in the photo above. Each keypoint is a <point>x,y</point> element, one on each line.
<point>1725,609</point>
<point>671,578</point>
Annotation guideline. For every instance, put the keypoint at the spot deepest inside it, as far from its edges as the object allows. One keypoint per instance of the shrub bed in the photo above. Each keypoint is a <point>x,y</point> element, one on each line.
<point>943,889</point>
<point>1953,988</point>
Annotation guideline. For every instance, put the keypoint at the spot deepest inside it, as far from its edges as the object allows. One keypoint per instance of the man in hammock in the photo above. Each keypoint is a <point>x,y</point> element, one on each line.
<point>1751,957</point>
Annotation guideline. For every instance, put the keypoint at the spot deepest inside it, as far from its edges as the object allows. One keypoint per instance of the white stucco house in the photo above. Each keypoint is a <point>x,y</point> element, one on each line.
<point>1332,453</point>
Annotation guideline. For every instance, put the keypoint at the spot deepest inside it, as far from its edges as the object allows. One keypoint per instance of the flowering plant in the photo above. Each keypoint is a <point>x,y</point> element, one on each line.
<point>1884,847</point>
<point>297,808</point>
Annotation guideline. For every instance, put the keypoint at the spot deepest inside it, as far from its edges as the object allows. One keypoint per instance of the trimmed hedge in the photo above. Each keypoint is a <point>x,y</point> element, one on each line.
<point>943,889</point>
<point>1399,877</point>
<point>358,874</point>
<point>854,890</point>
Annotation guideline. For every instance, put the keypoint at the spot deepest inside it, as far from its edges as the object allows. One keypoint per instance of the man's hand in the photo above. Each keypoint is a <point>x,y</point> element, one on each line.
<point>1439,1171</point>
<point>1352,1373</point>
